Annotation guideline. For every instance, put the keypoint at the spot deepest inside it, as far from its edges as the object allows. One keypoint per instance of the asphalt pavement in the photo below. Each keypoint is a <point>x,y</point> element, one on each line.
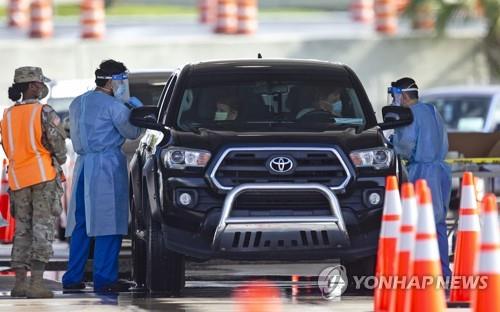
<point>210,286</point>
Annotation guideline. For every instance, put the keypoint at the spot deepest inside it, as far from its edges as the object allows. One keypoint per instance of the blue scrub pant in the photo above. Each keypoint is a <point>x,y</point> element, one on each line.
<point>106,250</point>
<point>443,248</point>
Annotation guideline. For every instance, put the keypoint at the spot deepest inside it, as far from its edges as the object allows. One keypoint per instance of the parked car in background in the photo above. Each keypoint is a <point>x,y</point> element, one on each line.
<point>471,114</point>
<point>467,108</point>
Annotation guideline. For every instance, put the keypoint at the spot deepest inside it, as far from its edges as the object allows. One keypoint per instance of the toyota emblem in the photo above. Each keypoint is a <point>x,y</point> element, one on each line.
<point>281,164</point>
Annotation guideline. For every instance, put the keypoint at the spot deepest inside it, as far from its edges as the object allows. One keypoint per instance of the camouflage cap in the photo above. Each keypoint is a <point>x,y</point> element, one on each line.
<point>29,74</point>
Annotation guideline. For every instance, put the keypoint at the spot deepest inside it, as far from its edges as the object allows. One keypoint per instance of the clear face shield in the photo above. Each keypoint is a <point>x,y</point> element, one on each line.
<point>120,86</point>
<point>395,95</point>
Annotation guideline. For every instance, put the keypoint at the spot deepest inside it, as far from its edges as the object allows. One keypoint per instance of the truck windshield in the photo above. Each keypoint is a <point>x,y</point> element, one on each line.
<point>462,113</point>
<point>269,105</point>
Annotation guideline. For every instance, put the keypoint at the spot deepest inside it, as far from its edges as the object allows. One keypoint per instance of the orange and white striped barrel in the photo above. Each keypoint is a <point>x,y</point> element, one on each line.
<point>426,294</point>
<point>388,242</point>
<point>402,5</point>
<point>227,17</point>
<point>206,9</point>
<point>41,16</point>
<point>362,11</point>
<point>425,17</point>
<point>487,297</point>
<point>247,16</point>
<point>406,244</point>
<point>386,16</point>
<point>92,19</point>
<point>467,240</point>
<point>18,13</point>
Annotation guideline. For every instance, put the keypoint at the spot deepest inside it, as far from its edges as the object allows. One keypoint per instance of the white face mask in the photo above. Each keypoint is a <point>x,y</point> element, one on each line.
<point>221,116</point>
<point>336,107</point>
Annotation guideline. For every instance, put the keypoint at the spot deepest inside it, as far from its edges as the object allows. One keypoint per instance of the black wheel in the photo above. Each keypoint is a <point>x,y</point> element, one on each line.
<point>165,270</point>
<point>138,251</point>
<point>359,268</point>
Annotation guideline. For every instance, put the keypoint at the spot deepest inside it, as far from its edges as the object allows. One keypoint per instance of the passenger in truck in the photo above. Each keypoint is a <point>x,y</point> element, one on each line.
<point>226,109</point>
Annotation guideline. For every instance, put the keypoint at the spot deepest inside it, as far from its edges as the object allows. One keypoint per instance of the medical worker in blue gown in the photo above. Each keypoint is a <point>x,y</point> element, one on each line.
<point>424,144</point>
<point>99,125</point>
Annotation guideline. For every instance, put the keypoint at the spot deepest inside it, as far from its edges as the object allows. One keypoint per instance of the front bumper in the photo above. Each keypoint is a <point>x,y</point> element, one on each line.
<point>274,237</point>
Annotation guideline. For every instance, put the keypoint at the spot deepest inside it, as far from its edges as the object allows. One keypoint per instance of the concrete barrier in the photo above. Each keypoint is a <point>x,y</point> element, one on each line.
<point>376,60</point>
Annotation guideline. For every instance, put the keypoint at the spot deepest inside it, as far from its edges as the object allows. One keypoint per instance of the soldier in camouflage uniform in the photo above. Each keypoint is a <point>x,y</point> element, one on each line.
<point>35,203</point>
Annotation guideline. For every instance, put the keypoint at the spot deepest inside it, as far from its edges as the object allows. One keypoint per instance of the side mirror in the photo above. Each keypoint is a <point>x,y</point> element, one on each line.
<point>395,117</point>
<point>146,117</point>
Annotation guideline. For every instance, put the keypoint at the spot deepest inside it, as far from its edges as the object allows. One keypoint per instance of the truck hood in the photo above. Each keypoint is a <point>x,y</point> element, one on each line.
<point>347,139</point>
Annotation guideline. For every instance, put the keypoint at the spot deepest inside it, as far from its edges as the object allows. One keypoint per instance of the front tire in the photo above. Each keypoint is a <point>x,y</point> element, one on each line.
<point>165,270</point>
<point>138,252</point>
<point>361,267</point>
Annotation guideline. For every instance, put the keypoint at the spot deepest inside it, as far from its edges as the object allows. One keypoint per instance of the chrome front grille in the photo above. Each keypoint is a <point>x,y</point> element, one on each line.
<point>238,166</point>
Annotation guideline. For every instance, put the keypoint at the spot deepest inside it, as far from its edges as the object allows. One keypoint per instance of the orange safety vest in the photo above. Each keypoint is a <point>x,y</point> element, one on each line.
<point>30,162</point>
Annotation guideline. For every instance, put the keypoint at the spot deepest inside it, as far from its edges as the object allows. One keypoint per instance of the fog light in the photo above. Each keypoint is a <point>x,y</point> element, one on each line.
<point>374,199</point>
<point>185,199</point>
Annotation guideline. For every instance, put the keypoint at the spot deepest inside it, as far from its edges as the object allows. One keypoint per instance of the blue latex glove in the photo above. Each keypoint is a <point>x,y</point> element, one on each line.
<point>135,102</point>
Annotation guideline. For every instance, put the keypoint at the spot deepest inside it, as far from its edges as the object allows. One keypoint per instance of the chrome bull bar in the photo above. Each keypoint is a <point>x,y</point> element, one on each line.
<point>226,220</point>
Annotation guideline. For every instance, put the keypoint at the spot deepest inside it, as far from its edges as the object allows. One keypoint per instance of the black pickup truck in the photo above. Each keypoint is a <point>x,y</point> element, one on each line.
<point>258,160</point>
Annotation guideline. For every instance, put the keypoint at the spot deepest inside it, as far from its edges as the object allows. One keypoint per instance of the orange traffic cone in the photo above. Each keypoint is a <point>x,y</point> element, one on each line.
<point>362,11</point>
<point>227,17</point>
<point>41,19</point>
<point>467,240</point>
<point>258,296</point>
<point>487,298</point>
<point>7,221</point>
<point>295,286</point>
<point>206,9</point>
<point>426,294</point>
<point>387,244</point>
<point>406,243</point>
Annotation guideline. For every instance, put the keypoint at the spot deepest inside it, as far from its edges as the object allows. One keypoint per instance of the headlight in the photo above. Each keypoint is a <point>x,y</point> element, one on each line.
<point>180,158</point>
<point>378,158</point>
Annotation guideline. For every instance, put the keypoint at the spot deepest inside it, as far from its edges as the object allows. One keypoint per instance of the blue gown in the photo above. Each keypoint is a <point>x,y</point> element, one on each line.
<point>99,125</point>
<point>424,144</point>
<point>99,201</point>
